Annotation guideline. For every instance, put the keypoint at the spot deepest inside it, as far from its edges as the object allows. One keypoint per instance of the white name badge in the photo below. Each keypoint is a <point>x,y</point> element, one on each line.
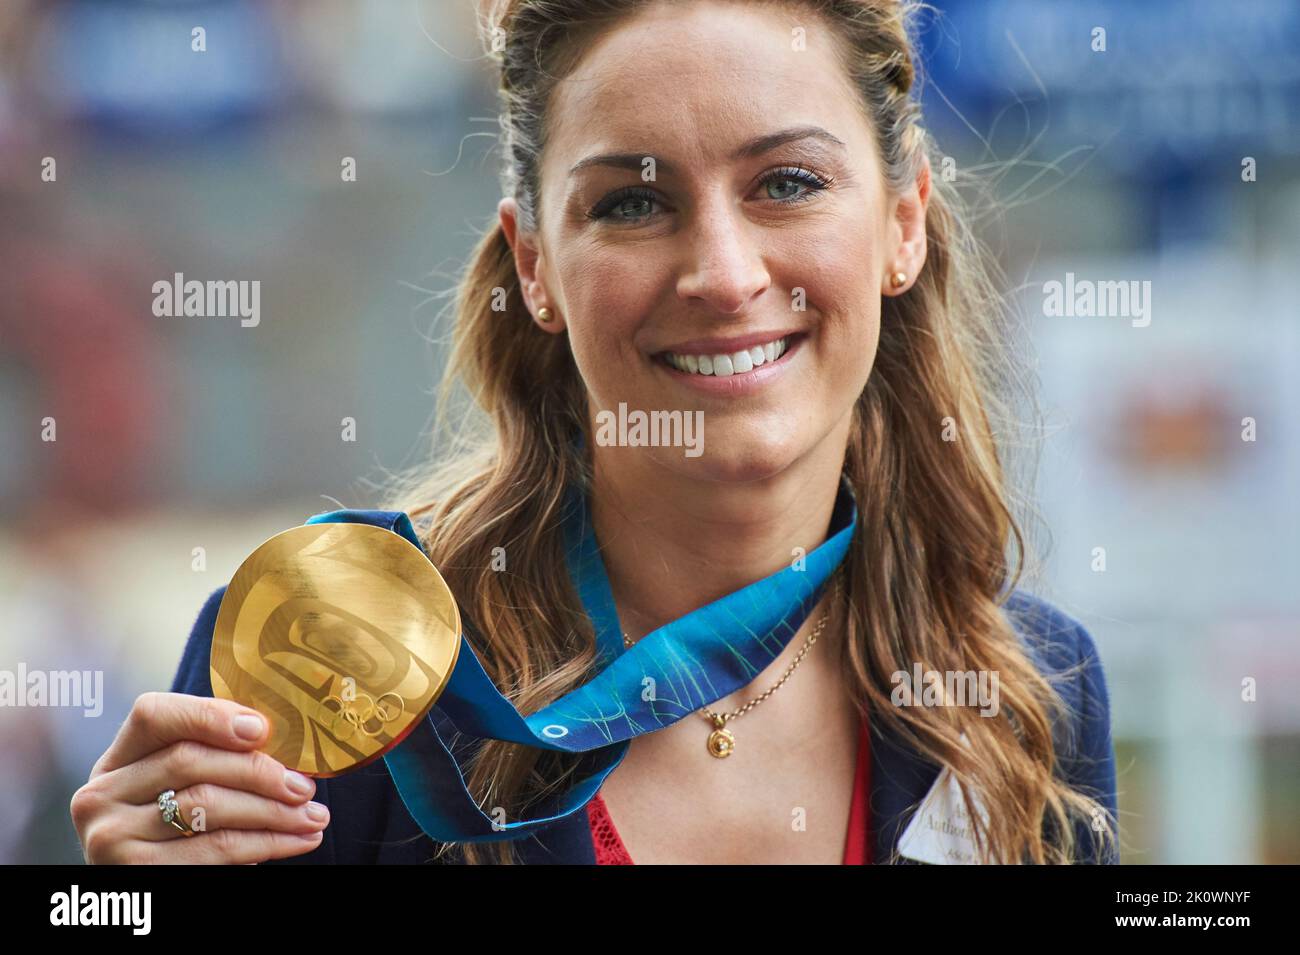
<point>940,831</point>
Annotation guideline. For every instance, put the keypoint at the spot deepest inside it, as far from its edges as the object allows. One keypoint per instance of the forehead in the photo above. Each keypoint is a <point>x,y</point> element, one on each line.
<point>695,79</point>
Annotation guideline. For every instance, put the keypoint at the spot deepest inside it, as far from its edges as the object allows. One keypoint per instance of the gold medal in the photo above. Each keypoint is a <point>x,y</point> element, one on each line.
<point>342,636</point>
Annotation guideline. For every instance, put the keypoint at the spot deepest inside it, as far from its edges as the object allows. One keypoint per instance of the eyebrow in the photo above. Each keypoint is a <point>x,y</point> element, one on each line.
<point>754,147</point>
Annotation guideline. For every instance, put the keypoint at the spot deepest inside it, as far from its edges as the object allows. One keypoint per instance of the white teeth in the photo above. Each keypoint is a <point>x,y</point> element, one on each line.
<point>722,366</point>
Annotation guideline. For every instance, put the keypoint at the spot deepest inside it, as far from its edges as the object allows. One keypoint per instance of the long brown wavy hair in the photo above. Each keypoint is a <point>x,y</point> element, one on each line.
<point>938,549</point>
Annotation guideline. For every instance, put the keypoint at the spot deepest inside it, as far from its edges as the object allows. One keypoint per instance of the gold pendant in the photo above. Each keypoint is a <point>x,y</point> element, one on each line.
<point>721,742</point>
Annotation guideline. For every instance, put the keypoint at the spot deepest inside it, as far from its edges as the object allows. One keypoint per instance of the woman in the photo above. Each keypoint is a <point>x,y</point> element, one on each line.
<point>725,208</point>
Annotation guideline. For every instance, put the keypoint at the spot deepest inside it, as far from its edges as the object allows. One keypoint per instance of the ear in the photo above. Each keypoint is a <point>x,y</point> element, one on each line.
<point>528,266</point>
<point>908,231</point>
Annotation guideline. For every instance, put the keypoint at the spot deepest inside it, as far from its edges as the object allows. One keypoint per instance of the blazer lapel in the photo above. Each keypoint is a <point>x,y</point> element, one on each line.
<point>900,780</point>
<point>567,842</point>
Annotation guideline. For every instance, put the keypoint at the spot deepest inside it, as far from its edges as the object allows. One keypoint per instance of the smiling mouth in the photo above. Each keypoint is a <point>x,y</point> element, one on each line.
<point>726,364</point>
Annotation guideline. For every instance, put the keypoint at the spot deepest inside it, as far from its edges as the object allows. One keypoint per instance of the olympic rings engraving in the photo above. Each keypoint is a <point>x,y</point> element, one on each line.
<point>356,716</point>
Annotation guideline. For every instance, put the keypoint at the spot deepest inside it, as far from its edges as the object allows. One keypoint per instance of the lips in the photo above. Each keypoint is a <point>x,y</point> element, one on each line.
<point>732,383</point>
<point>724,364</point>
<point>722,358</point>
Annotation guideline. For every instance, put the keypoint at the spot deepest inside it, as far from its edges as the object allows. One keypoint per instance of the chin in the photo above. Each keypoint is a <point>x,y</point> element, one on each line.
<point>734,458</point>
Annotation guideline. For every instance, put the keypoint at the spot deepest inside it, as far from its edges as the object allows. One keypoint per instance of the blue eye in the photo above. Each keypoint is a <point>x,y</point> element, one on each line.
<point>639,202</point>
<point>635,198</point>
<point>797,176</point>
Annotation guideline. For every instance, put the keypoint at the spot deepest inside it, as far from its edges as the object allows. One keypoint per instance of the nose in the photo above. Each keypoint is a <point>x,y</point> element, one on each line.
<point>724,267</point>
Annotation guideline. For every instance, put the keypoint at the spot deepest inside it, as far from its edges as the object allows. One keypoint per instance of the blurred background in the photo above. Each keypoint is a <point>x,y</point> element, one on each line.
<point>1163,149</point>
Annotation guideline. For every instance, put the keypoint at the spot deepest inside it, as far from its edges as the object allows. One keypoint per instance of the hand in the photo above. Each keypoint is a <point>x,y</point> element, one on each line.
<point>206,749</point>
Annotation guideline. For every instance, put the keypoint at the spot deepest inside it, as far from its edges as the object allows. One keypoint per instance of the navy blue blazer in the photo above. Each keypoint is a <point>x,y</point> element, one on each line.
<point>369,823</point>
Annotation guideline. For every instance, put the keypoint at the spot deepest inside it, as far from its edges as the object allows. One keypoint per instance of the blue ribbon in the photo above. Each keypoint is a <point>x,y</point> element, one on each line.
<point>694,660</point>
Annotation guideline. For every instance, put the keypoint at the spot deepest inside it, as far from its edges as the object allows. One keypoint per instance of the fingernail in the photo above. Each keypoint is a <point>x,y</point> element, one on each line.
<point>316,812</point>
<point>249,727</point>
<point>297,783</point>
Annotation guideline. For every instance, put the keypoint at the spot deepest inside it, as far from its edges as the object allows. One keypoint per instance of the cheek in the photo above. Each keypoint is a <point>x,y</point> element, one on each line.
<point>852,338</point>
<point>839,255</point>
<point>842,289</point>
<point>605,301</point>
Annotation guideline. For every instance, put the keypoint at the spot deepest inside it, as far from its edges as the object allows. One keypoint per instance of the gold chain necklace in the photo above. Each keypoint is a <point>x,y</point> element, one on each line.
<point>721,741</point>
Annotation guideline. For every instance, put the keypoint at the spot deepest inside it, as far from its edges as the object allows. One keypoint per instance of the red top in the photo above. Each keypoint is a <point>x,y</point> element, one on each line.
<point>857,848</point>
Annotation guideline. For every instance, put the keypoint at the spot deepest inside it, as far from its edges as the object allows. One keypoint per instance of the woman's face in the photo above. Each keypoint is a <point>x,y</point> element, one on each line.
<point>711,194</point>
